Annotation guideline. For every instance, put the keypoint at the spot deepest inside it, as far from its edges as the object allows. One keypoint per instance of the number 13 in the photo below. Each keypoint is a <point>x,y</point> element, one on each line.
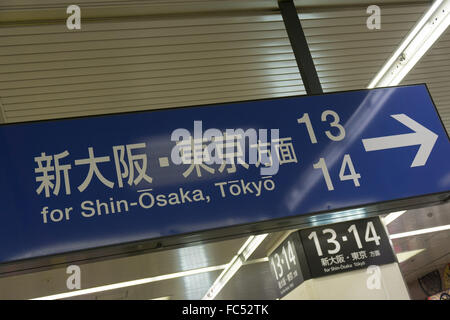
<point>337,246</point>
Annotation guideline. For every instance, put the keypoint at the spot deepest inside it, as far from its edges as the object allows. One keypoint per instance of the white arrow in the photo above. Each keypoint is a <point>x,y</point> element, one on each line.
<point>421,136</point>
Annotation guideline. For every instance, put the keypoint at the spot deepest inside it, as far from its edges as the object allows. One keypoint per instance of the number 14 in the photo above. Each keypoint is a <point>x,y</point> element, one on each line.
<point>346,162</point>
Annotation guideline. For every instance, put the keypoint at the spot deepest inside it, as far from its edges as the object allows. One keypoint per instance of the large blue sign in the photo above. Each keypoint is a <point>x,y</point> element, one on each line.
<point>82,183</point>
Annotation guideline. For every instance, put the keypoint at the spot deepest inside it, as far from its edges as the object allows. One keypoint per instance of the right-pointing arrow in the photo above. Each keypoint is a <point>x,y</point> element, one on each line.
<point>421,136</point>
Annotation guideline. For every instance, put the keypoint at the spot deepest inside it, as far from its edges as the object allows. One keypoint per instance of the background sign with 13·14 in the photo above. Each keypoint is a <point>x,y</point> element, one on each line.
<point>329,249</point>
<point>346,246</point>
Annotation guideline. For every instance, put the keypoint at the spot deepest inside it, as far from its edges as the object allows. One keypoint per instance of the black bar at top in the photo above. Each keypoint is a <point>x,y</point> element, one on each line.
<point>300,47</point>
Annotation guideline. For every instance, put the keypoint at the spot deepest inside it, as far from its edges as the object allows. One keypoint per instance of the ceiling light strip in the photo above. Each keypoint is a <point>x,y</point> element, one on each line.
<point>404,256</point>
<point>130,283</point>
<point>424,34</point>
<point>234,265</point>
<point>420,231</point>
<point>392,216</point>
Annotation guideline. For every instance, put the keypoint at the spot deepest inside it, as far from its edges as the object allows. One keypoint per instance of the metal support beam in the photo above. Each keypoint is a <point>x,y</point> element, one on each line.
<point>300,47</point>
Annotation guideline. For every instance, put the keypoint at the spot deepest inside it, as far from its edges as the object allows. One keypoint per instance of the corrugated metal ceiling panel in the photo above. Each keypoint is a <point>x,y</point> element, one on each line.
<point>121,65</point>
<point>434,70</point>
<point>26,10</point>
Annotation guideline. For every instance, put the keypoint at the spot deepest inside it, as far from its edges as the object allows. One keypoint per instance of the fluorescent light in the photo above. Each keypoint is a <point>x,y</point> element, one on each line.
<point>246,244</point>
<point>130,283</point>
<point>256,241</point>
<point>415,45</point>
<point>265,259</point>
<point>234,265</point>
<point>403,256</point>
<point>161,298</point>
<point>392,216</point>
<point>420,231</point>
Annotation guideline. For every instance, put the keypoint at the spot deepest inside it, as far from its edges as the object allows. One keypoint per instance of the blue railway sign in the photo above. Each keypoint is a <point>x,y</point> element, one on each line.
<point>74,184</point>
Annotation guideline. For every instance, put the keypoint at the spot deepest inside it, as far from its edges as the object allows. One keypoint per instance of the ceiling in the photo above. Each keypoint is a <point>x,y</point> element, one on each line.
<point>33,10</point>
<point>436,253</point>
<point>434,70</point>
<point>252,281</point>
<point>141,55</point>
<point>129,64</point>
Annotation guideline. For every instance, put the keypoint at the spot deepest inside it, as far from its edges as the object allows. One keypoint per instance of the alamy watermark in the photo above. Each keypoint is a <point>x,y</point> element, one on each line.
<point>374,280</point>
<point>230,147</point>
<point>73,22</point>
<point>73,282</point>
<point>374,20</point>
